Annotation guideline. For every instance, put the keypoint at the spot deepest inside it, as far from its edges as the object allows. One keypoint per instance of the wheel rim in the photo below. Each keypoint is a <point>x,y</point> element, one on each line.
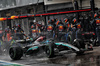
<point>47,51</point>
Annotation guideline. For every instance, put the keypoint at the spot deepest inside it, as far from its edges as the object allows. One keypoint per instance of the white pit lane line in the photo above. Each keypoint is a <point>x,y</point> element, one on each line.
<point>6,63</point>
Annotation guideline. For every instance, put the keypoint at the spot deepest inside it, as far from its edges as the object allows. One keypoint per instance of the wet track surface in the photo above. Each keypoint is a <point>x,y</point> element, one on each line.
<point>90,58</point>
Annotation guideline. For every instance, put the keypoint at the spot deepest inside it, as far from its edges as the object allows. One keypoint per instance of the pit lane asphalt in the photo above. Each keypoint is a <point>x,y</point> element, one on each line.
<point>90,58</point>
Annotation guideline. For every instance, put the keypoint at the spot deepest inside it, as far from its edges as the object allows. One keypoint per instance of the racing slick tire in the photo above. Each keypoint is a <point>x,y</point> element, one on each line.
<point>49,49</point>
<point>15,53</point>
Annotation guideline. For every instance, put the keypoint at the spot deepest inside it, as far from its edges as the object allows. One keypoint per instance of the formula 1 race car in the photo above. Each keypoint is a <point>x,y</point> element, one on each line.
<point>16,51</point>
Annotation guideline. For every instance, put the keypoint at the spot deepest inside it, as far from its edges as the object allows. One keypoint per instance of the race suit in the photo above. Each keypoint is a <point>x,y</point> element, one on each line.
<point>34,33</point>
<point>19,33</point>
<point>32,30</point>
<point>96,24</point>
<point>60,29</point>
<point>50,29</point>
<point>79,37</point>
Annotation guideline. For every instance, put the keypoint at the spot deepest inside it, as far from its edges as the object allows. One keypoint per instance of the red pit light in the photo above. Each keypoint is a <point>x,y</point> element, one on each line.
<point>22,16</point>
<point>9,18</point>
<point>45,14</point>
<point>4,18</point>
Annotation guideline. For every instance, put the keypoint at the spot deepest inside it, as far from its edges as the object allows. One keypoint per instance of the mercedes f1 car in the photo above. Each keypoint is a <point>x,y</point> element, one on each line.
<point>16,51</point>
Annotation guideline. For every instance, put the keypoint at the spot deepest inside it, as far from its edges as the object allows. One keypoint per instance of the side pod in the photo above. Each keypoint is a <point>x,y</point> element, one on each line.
<point>69,46</point>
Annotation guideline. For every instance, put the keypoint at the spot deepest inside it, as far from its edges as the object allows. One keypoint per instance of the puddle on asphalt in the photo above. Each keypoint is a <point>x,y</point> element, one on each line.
<point>68,59</point>
<point>73,60</point>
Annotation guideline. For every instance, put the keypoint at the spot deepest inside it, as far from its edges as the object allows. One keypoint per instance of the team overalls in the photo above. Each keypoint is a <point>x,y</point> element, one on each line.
<point>50,32</point>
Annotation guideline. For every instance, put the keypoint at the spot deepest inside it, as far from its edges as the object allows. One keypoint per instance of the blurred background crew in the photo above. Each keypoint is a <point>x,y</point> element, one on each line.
<point>96,25</point>
<point>79,31</point>
<point>19,29</point>
<point>7,34</point>
<point>13,29</point>
<point>19,32</point>
<point>66,23</point>
<point>35,24</point>
<point>50,29</point>
<point>1,34</point>
<point>41,27</point>
<point>34,31</point>
<point>60,29</point>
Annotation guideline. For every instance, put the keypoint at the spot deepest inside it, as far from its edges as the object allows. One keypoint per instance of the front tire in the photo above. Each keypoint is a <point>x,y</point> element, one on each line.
<point>16,53</point>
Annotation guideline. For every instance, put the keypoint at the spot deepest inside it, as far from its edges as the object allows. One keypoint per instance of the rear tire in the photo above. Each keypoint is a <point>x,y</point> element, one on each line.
<point>49,49</point>
<point>16,53</point>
